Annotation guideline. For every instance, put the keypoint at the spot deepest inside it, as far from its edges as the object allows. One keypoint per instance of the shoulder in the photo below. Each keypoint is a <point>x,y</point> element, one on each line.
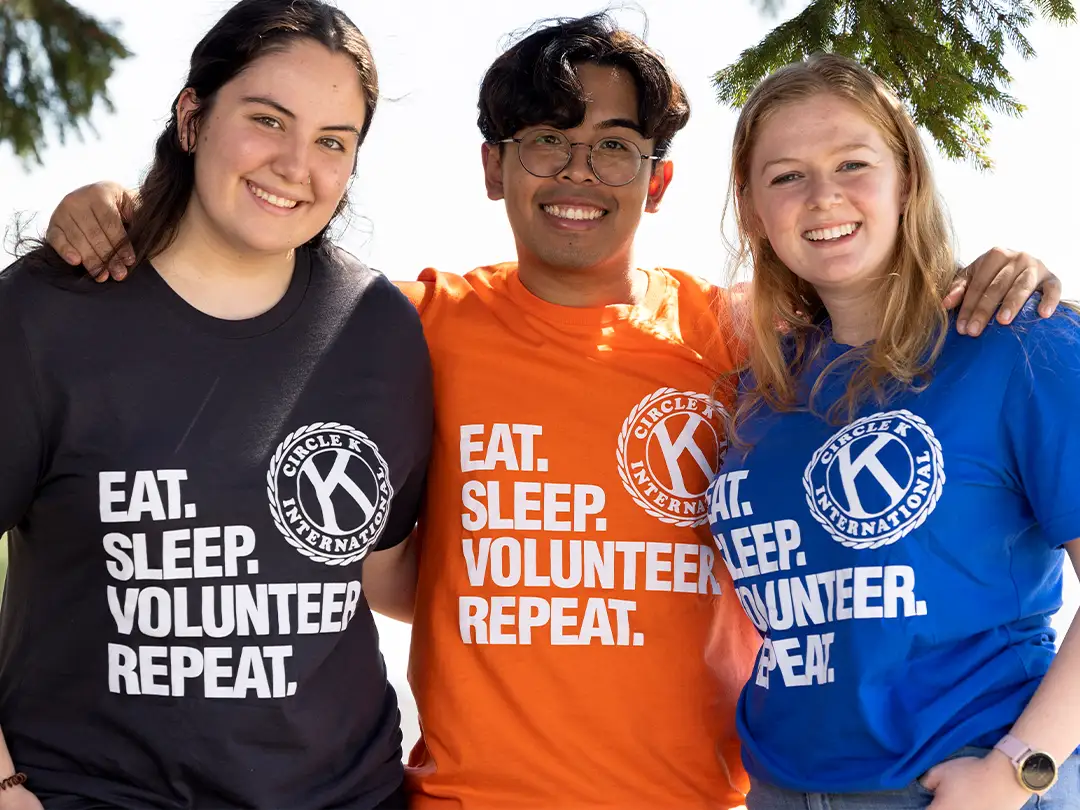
<point>1037,342</point>
<point>41,283</point>
<point>346,269</point>
<point>1061,330</point>
<point>434,288</point>
<point>39,271</point>
<point>711,318</point>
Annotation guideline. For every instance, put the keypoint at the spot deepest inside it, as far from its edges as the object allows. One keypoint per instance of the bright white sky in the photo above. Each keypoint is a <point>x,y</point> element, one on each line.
<point>419,199</point>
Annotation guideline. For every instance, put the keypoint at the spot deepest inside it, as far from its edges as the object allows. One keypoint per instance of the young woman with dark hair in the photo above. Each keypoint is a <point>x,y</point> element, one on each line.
<point>199,514</point>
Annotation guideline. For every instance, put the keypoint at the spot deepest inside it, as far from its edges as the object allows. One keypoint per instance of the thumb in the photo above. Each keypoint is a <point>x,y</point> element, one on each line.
<point>931,780</point>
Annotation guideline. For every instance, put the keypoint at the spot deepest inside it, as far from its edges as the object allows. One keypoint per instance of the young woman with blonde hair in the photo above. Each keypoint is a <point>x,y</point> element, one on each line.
<point>898,501</point>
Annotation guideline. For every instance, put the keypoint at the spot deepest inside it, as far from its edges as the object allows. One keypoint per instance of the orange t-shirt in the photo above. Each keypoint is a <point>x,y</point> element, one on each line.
<point>568,587</point>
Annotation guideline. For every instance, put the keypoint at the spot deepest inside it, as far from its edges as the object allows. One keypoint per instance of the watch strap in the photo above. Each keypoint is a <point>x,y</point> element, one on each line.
<point>1014,748</point>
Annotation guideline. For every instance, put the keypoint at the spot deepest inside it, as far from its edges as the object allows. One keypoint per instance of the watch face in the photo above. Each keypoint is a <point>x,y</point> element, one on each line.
<point>1038,771</point>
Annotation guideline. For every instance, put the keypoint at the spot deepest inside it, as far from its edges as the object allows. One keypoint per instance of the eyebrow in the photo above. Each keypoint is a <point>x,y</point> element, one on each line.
<point>269,102</point>
<point>847,147</point>
<point>623,123</point>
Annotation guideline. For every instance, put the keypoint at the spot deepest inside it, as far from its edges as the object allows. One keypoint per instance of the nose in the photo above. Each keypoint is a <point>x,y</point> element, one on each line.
<point>578,169</point>
<point>822,192</point>
<point>291,162</point>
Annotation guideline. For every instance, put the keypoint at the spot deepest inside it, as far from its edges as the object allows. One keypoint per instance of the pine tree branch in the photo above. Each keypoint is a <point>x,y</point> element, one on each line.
<point>943,58</point>
<point>55,63</point>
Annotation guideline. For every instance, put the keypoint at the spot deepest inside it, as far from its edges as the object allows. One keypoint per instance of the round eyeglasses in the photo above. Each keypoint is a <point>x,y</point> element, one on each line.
<point>546,152</point>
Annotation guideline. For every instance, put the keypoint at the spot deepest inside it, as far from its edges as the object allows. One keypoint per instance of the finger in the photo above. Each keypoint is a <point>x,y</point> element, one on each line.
<point>107,213</point>
<point>93,234</point>
<point>931,778</point>
<point>1051,296</point>
<point>58,242</point>
<point>993,295</point>
<point>1023,286</point>
<point>955,293</point>
<point>976,284</point>
<point>112,236</point>
<point>980,273</point>
<point>98,251</point>
<point>88,257</point>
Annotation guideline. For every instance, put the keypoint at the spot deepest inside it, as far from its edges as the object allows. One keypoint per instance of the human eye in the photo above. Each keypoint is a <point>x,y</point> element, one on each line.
<point>546,138</point>
<point>332,143</point>
<point>784,179</point>
<point>612,145</point>
<point>267,121</point>
<point>852,165</point>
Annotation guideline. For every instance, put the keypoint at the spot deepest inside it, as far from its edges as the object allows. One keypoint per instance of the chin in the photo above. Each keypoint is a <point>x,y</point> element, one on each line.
<point>269,243</point>
<point>570,259</point>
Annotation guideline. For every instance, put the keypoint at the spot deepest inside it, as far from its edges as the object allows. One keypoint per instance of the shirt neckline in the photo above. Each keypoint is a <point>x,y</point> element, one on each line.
<point>268,321</point>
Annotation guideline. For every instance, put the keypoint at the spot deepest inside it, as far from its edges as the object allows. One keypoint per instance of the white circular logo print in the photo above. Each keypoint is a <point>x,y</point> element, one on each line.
<point>875,480</point>
<point>668,452</point>
<point>329,491</point>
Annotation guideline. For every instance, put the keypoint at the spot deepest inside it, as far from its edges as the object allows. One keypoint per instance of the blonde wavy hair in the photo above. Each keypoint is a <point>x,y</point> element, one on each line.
<point>785,313</point>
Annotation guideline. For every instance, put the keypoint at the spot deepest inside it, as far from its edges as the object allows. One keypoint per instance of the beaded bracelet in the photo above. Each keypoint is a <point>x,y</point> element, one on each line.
<point>13,780</point>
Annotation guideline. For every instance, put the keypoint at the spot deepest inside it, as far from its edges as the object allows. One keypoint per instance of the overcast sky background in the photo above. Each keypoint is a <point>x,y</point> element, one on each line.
<point>418,197</point>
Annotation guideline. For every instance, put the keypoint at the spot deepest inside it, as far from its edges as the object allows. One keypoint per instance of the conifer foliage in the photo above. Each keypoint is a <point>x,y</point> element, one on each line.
<point>945,58</point>
<point>55,61</point>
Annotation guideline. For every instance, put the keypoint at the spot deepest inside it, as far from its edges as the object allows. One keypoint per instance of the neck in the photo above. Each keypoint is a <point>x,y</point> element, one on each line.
<point>853,314</point>
<point>219,278</point>
<point>612,281</point>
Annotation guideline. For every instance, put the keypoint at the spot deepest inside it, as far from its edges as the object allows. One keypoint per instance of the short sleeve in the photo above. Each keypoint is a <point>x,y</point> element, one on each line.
<point>1041,411</point>
<point>418,413</point>
<point>419,292</point>
<point>21,435</point>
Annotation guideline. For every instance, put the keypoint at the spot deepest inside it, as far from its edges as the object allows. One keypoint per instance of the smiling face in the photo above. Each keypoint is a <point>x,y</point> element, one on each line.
<point>572,220</point>
<point>825,187</point>
<point>276,149</point>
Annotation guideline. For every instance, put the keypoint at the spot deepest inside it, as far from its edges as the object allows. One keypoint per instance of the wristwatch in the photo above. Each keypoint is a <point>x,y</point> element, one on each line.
<point>1035,770</point>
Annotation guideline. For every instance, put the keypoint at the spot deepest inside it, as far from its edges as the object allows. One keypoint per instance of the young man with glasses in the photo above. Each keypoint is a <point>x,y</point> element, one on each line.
<point>567,584</point>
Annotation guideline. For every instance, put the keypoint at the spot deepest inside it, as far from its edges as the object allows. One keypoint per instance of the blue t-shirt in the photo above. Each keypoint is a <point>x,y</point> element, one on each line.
<point>903,568</point>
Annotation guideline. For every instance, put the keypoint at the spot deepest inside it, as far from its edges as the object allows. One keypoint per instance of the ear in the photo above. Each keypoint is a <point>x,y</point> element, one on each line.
<point>658,184</point>
<point>492,155</point>
<point>186,105</point>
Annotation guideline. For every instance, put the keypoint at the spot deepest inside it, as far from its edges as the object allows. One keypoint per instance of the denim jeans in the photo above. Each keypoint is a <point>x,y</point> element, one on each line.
<point>1065,795</point>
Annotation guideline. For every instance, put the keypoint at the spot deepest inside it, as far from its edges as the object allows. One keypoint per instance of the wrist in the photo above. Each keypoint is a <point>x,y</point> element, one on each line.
<point>14,796</point>
<point>1035,771</point>
<point>1001,772</point>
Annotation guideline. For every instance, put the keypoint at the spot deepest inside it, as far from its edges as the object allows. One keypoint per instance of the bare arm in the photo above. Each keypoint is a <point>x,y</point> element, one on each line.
<point>1050,723</point>
<point>16,797</point>
<point>389,580</point>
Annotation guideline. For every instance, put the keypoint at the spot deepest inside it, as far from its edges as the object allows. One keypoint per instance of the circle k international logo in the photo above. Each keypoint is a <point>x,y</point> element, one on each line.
<point>875,480</point>
<point>329,491</point>
<point>668,452</point>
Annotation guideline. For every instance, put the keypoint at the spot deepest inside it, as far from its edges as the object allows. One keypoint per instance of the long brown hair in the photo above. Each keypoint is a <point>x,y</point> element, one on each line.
<point>786,315</point>
<point>248,30</point>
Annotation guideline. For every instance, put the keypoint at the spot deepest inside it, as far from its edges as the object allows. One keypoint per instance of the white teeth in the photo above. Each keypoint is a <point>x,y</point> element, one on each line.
<point>826,234</point>
<point>279,202</point>
<point>571,212</point>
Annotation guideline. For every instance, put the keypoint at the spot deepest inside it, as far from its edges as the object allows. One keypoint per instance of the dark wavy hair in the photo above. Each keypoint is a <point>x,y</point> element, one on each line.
<point>534,81</point>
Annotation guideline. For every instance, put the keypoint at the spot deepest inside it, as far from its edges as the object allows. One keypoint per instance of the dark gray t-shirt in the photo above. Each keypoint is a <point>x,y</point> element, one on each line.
<point>190,501</point>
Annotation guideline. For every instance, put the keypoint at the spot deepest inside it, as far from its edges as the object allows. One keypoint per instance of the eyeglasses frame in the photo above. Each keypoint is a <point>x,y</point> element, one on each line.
<point>588,159</point>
